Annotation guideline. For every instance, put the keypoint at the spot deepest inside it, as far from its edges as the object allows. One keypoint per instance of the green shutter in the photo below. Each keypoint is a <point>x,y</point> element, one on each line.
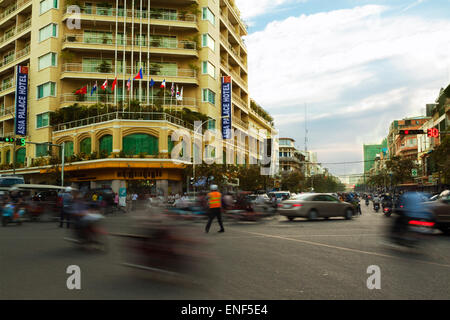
<point>135,144</point>
<point>8,156</point>
<point>20,155</point>
<point>85,146</point>
<point>106,144</point>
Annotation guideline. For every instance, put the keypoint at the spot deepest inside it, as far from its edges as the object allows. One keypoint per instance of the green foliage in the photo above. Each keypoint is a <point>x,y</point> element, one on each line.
<point>322,183</point>
<point>293,181</point>
<point>260,111</point>
<point>401,170</point>
<point>441,157</point>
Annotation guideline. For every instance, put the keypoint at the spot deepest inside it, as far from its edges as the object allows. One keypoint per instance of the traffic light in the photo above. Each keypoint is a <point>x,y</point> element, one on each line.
<point>21,142</point>
<point>433,133</point>
<point>7,139</point>
<point>411,132</point>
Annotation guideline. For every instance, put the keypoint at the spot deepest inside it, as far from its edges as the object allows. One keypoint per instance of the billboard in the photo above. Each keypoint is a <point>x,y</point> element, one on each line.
<point>21,100</point>
<point>226,108</point>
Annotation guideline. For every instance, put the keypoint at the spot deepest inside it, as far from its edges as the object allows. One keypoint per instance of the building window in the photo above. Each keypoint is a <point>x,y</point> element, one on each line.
<point>208,41</point>
<point>41,150</point>
<point>42,120</point>
<point>85,146</point>
<point>46,90</point>
<point>208,68</point>
<point>106,144</point>
<point>21,155</point>
<point>140,143</point>
<point>211,124</point>
<point>209,96</point>
<point>8,156</point>
<point>48,31</point>
<point>208,15</point>
<point>47,60</point>
<point>68,149</point>
<point>46,5</point>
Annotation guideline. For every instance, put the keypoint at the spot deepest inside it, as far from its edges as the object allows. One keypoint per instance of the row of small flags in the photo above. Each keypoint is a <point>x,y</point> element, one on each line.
<point>178,94</point>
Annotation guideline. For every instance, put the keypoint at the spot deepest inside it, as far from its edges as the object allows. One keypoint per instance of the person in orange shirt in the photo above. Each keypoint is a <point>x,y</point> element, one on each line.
<point>215,208</point>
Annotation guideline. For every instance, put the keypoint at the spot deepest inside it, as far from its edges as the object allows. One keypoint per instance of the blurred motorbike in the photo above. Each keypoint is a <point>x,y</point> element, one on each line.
<point>376,207</point>
<point>387,211</point>
<point>89,232</point>
<point>12,214</point>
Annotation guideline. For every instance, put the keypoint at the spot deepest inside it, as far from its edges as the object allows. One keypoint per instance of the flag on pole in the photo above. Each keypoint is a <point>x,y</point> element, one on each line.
<point>178,93</point>
<point>139,75</point>
<point>172,90</point>
<point>94,88</point>
<point>180,97</point>
<point>114,84</point>
<point>129,84</point>
<point>152,83</point>
<point>105,85</point>
<point>82,90</point>
<point>163,84</point>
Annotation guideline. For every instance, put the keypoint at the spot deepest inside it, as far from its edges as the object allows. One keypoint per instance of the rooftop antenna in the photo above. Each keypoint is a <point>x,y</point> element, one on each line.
<point>306,130</point>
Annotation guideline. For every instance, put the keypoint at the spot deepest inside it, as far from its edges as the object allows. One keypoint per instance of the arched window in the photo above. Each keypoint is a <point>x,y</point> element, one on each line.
<point>85,146</point>
<point>8,157</point>
<point>68,149</point>
<point>171,145</point>
<point>106,144</point>
<point>20,155</point>
<point>137,143</point>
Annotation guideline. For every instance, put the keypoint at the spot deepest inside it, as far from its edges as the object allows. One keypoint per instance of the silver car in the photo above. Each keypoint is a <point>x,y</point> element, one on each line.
<point>315,205</point>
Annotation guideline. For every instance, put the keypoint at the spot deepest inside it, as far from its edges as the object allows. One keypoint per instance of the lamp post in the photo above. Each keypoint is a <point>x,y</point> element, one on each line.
<point>62,146</point>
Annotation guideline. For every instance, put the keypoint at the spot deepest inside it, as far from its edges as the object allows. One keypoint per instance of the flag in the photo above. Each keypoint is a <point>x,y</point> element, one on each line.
<point>172,89</point>
<point>129,84</point>
<point>105,85</point>
<point>114,84</point>
<point>94,88</point>
<point>180,97</point>
<point>152,83</point>
<point>163,84</point>
<point>178,93</point>
<point>82,90</point>
<point>139,75</point>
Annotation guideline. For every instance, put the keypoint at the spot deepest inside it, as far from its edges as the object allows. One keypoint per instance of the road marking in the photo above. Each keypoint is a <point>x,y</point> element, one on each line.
<point>341,248</point>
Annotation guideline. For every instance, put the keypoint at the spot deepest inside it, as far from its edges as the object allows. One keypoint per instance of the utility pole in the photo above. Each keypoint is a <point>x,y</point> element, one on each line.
<point>62,146</point>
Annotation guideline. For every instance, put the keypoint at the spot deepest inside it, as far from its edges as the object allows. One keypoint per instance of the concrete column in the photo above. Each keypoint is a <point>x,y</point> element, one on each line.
<point>117,140</point>
<point>163,185</point>
<point>163,142</point>
<point>94,143</point>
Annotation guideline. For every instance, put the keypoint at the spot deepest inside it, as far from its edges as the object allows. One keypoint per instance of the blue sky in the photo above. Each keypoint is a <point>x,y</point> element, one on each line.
<point>356,64</point>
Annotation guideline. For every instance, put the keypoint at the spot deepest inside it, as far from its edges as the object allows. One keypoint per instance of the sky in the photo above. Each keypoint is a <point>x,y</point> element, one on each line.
<point>354,65</point>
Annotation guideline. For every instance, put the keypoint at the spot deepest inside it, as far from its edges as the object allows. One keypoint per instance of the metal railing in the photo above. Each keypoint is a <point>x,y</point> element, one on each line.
<point>6,86</point>
<point>12,58</point>
<point>12,8</point>
<point>165,15</point>
<point>239,122</point>
<point>230,47</point>
<point>7,111</point>
<point>110,69</point>
<point>109,99</point>
<point>18,29</point>
<point>120,115</point>
<point>167,43</point>
<point>238,99</point>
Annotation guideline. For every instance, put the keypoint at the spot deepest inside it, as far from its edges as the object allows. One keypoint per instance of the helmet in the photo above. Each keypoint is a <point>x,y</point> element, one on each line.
<point>68,189</point>
<point>445,194</point>
<point>214,187</point>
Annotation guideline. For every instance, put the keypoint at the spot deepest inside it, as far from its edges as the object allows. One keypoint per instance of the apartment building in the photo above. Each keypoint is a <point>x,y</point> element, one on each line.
<point>120,136</point>
<point>290,159</point>
<point>406,145</point>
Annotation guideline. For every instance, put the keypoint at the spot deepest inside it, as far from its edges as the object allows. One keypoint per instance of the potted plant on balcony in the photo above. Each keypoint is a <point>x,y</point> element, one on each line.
<point>155,69</point>
<point>156,14</point>
<point>104,67</point>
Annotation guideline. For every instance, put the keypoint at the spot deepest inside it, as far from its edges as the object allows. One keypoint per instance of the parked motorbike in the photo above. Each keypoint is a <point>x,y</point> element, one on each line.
<point>11,215</point>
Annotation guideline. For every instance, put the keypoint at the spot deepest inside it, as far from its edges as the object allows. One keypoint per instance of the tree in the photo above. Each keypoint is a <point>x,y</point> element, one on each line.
<point>293,181</point>
<point>323,183</point>
<point>441,157</point>
<point>401,169</point>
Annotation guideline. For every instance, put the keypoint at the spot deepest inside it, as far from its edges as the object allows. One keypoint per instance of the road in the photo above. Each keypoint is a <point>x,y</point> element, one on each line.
<point>277,259</point>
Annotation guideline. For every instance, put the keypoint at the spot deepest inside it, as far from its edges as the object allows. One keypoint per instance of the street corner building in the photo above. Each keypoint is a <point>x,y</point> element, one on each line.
<point>112,81</point>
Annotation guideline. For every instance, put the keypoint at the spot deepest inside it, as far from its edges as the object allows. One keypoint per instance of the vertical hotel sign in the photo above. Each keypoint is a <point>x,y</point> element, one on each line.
<point>226,107</point>
<point>21,100</point>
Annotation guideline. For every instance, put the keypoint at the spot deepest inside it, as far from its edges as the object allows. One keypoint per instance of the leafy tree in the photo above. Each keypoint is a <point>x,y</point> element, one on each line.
<point>401,169</point>
<point>441,157</point>
<point>293,181</point>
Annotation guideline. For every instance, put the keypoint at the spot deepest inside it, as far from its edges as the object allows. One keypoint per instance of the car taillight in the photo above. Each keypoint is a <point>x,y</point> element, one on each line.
<point>297,205</point>
<point>421,223</point>
<point>401,206</point>
<point>386,209</point>
<point>280,205</point>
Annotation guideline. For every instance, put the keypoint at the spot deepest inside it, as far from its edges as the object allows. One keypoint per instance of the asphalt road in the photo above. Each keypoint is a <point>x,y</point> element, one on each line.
<point>276,259</point>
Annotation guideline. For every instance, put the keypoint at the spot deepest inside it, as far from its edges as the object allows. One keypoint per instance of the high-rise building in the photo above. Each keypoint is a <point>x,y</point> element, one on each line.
<point>118,136</point>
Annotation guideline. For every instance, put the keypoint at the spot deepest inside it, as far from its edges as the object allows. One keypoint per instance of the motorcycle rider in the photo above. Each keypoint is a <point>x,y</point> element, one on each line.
<point>376,200</point>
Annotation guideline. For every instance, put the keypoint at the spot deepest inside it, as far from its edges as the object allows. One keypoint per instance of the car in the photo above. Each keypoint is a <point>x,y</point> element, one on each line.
<point>315,205</point>
<point>441,211</point>
<point>279,195</point>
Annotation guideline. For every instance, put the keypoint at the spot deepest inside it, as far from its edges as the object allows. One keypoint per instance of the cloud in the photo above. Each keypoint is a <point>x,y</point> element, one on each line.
<point>365,66</point>
<point>412,5</point>
<point>251,8</point>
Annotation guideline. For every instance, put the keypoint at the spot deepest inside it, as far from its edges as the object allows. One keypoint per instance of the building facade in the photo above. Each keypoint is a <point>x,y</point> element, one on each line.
<point>121,136</point>
<point>290,159</point>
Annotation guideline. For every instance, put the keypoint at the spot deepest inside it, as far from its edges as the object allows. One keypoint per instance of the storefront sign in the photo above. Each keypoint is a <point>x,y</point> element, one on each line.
<point>21,100</point>
<point>226,107</point>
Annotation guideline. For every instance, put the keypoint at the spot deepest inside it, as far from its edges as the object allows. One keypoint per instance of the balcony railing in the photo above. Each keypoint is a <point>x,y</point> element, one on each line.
<point>242,102</point>
<point>12,58</point>
<point>95,68</point>
<point>142,116</point>
<point>128,41</point>
<point>164,15</point>
<point>239,122</point>
<point>18,29</point>
<point>109,100</point>
<point>9,10</point>
<point>7,111</point>
<point>6,86</point>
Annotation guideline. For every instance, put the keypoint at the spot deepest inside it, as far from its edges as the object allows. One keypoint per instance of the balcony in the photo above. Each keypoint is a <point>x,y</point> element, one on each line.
<point>22,27</point>
<point>235,54</point>
<point>240,101</point>
<point>162,17</point>
<point>235,76</point>
<point>137,116</point>
<point>13,10</point>
<point>239,122</point>
<point>169,46</point>
<point>80,70</point>
<point>13,59</point>
<point>108,99</point>
<point>7,87</point>
<point>7,112</point>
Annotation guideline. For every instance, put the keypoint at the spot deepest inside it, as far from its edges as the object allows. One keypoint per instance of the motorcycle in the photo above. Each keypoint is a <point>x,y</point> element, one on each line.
<point>89,233</point>
<point>11,215</point>
<point>387,211</point>
<point>367,202</point>
<point>376,207</point>
<point>410,231</point>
